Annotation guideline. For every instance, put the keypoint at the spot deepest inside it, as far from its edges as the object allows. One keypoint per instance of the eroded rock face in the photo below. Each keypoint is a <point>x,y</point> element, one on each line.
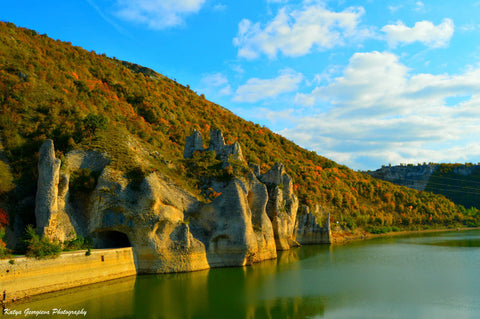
<point>51,186</point>
<point>152,216</point>
<point>238,229</point>
<point>61,215</point>
<point>415,177</point>
<point>309,230</point>
<point>217,144</point>
<point>282,206</point>
<point>169,229</point>
<point>192,144</point>
<point>47,187</point>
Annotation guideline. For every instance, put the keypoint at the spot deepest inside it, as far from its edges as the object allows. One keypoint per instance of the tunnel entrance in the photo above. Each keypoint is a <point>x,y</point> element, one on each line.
<point>111,239</point>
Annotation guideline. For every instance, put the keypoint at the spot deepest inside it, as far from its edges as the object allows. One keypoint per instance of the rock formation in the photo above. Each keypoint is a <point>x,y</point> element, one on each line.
<point>237,228</point>
<point>193,143</point>
<point>152,217</point>
<point>411,176</point>
<point>169,229</point>
<point>51,185</point>
<point>282,206</point>
<point>172,231</point>
<point>417,177</point>
<point>309,231</point>
<point>217,143</point>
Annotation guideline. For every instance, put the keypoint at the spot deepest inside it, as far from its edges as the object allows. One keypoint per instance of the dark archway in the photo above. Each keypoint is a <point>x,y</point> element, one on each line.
<point>111,239</point>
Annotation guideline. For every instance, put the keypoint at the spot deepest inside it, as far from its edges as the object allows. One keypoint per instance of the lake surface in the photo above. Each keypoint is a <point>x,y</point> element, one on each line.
<point>435,275</point>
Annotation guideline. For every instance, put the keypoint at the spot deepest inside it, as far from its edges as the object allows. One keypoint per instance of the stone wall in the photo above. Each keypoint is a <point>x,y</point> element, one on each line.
<point>30,276</point>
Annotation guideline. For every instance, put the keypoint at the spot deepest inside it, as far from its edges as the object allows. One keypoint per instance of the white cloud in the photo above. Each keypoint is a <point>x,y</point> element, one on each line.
<point>226,90</point>
<point>215,79</point>
<point>297,32</point>
<point>256,89</point>
<point>215,84</point>
<point>377,111</point>
<point>419,6</point>
<point>157,14</point>
<point>237,68</point>
<point>424,31</point>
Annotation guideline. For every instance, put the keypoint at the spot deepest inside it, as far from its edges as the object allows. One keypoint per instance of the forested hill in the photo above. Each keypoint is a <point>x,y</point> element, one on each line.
<point>458,182</point>
<point>80,99</point>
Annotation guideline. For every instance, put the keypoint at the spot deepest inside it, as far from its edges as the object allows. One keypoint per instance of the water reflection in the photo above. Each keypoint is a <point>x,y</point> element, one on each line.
<point>447,239</point>
<point>227,292</point>
<point>397,277</point>
<point>111,299</point>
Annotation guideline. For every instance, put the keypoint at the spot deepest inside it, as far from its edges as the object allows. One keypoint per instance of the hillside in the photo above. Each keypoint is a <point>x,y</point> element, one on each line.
<point>457,182</point>
<point>82,100</point>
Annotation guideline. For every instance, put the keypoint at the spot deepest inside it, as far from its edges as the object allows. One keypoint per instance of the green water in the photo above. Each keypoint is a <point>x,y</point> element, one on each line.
<point>422,276</point>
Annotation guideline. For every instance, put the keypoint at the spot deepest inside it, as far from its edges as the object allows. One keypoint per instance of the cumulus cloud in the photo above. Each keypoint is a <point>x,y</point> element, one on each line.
<point>424,31</point>
<point>297,32</point>
<point>378,111</point>
<point>157,14</point>
<point>256,89</point>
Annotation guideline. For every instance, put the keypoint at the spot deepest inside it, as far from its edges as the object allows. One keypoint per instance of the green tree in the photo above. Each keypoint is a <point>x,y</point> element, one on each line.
<point>93,122</point>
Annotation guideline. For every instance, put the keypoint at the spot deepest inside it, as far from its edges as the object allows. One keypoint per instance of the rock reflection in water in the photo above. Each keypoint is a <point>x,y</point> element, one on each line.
<point>224,293</point>
<point>398,277</point>
<point>183,295</point>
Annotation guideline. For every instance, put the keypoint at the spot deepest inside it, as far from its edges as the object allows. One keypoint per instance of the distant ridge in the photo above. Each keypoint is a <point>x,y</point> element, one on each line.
<point>458,182</point>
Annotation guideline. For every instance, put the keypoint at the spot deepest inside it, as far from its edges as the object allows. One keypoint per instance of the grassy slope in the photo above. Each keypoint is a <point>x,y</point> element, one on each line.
<point>48,87</point>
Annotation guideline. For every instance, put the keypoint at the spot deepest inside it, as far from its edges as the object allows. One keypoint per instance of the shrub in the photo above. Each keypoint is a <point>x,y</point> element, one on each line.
<point>136,176</point>
<point>40,247</point>
<point>6,179</point>
<point>77,243</point>
<point>83,180</point>
<point>4,251</point>
<point>379,229</point>
<point>93,122</point>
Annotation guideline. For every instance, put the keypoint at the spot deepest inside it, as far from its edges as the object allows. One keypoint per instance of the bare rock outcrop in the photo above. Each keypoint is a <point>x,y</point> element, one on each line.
<point>238,229</point>
<point>309,230</point>
<point>152,217</point>
<point>51,185</point>
<point>415,177</point>
<point>171,231</point>
<point>61,215</point>
<point>217,144</point>
<point>193,143</point>
<point>250,218</point>
<point>282,206</point>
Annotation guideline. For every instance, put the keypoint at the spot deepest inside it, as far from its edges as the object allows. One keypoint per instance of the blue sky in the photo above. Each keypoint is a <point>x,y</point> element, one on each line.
<point>364,83</point>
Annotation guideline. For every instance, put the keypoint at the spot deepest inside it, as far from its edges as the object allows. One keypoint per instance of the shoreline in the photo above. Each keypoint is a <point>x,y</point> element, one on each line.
<point>337,239</point>
<point>345,238</point>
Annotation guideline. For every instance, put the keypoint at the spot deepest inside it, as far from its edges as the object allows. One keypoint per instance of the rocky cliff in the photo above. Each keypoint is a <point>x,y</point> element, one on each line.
<point>457,182</point>
<point>170,229</point>
<point>415,177</point>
